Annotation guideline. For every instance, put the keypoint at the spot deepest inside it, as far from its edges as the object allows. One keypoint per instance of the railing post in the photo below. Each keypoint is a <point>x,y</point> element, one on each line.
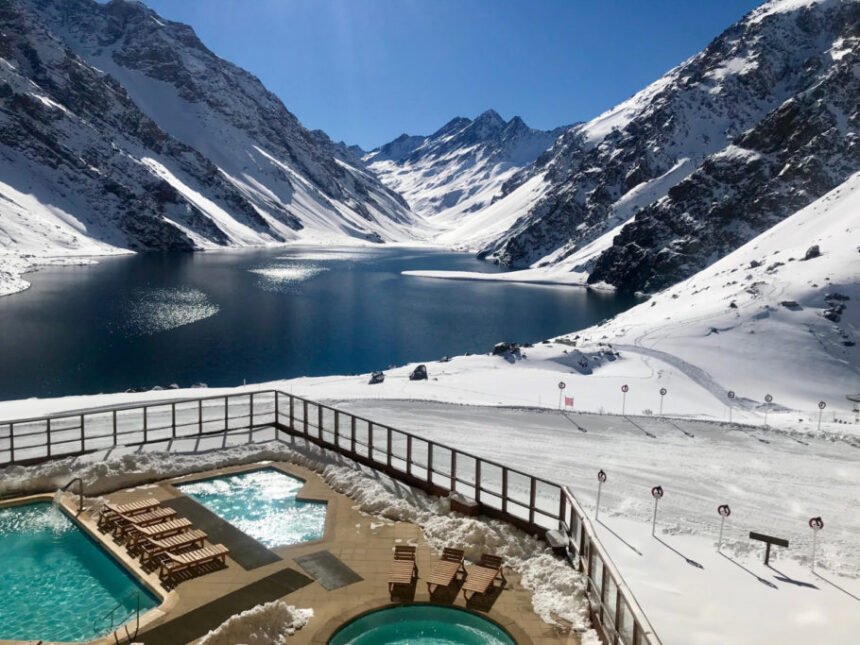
<point>453,470</point>
<point>390,449</point>
<point>562,501</point>
<point>504,490</point>
<point>226,415</point>
<point>173,419</point>
<point>352,434</point>
<point>430,461</point>
<point>477,480</point>
<point>83,435</point>
<point>337,428</point>
<point>277,408</point>
<point>114,428</point>
<point>320,423</point>
<point>252,411</point>
<point>292,412</point>
<point>409,454</point>
<point>532,500</point>
<point>305,416</point>
<point>12,443</point>
<point>49,437</point>
<point>370,440</point>
<point>618,613</point>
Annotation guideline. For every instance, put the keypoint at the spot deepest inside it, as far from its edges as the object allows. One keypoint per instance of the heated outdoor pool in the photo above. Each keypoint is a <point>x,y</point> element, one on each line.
<point>421,625</point>
<point>57,583</point>
<point>262,504</point>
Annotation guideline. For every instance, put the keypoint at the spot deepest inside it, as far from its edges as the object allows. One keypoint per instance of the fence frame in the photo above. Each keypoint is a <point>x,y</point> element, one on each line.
<point>618,619</point>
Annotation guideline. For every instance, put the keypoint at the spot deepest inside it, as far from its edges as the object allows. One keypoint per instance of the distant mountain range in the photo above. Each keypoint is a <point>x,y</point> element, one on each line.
<point>460,168</point>
<point>121,130</point>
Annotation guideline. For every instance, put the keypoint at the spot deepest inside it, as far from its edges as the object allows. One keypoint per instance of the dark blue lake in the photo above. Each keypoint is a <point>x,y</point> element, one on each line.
<point>219,318</point>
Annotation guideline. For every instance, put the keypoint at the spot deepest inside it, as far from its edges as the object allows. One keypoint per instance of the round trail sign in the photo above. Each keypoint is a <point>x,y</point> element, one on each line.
<point>816,523</point>
<point>821,405</point>
<point>562,385</point>
<point>663,391</point>
<point>731,394</point>
<point>601,476</point>
<point>768,398</point>
<point>724,510</point>
<point>657,492</point>
<point>625,388</point>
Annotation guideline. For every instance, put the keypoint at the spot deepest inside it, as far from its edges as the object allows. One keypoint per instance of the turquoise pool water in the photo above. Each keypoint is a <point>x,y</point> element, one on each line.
<point>421,625</point>
<point>56,583</point>
<point>262,504</point>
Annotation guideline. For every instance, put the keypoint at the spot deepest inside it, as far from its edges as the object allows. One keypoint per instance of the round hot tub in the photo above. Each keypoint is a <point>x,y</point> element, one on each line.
<point>421,624</point>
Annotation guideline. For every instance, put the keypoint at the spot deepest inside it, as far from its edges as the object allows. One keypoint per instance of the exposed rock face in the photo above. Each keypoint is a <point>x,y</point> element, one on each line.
<point>759,124</point>
<point>120,129</point>
<point>460,168</point>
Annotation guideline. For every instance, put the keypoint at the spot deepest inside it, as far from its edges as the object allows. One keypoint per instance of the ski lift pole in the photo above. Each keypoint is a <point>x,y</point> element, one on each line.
<point>816,524</point>
<point>656,493</point>
<point>724,511</point>
<point>601,477</point>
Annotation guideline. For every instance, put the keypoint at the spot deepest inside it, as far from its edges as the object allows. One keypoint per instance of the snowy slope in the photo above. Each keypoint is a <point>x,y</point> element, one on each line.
<point>458,171</point>
<point>756,126</point>
<point>121,131</point>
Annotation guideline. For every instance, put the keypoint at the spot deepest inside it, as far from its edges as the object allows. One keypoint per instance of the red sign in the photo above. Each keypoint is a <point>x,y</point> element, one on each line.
<point>568,400</point>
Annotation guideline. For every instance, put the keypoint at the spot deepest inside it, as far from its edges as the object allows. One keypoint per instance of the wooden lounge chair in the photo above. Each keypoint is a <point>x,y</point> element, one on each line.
<point>446,569</point>
<point>404,571</point>
<point>151,547</point>
<point>481,576</point>
<point>157,531</point>
<point>126,523</point>
<point>177,562</point>
<point>110,512</point>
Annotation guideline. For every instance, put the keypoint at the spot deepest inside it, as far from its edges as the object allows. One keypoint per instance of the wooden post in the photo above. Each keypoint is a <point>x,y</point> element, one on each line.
<point>352,434</point>
<point>602,589</point>
<point>453,470</point>
<point>337,428</point>
<point>83,435</point>
<point>173,420</point>
<point>252,410</point>
<point>305,416</point>
<point>292,412</point>
<point>320,422</point>
<point>12,443</point>
<point>504,490</point>
<point>390,449</point>
<point>618,613</point>
<point>532,500</point>
<point>226,415</point>
<point>49,437</point>
<point>199,416</point>
<point>370,440</point>
<point>477,480</point>
<point>277,408</point>
<point>562,520</point>
<point>114,428</point>
<point>430,461</point>
<point>145,426</point>
<point>409,454</point>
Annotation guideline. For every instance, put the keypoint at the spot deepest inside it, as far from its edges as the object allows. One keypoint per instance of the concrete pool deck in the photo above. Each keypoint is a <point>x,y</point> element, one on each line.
<point>352,559</point>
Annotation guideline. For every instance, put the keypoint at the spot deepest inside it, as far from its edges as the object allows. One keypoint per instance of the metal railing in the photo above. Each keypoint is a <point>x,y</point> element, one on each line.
<point>532,503</point>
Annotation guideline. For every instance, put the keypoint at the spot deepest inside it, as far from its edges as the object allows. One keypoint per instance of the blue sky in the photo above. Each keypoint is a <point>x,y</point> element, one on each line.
<point>367,70</point>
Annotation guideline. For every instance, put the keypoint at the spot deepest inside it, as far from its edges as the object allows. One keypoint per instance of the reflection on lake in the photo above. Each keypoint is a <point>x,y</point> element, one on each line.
<point>219,318</point>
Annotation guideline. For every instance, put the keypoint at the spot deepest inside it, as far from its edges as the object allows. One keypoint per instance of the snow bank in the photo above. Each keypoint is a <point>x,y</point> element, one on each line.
<point>558,590</point>
<point>268,624</point>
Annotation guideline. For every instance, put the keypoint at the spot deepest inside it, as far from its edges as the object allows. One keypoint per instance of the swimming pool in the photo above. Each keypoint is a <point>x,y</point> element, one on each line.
<point>57,583</point>
<point>262,504</point>
<point>421,624</point>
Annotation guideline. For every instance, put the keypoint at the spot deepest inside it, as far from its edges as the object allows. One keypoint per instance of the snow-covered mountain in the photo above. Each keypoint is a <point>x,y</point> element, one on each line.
<point>120,130</point>
<point>759,124</point>
<point>459,169</point>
